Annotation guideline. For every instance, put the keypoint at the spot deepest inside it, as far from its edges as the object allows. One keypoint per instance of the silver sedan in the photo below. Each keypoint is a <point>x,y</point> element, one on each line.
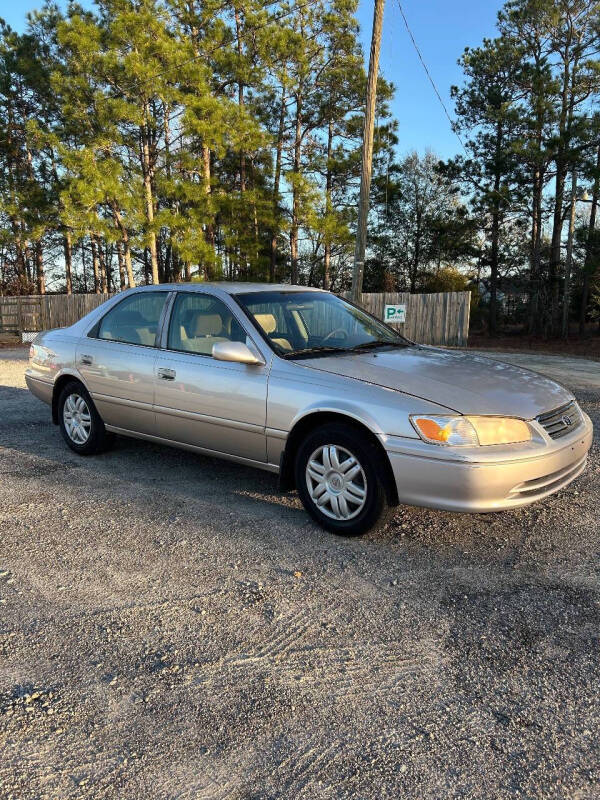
<point>302,383</point>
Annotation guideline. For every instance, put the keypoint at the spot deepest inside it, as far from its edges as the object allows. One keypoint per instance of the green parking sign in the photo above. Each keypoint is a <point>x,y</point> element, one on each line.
<point>394,313</point>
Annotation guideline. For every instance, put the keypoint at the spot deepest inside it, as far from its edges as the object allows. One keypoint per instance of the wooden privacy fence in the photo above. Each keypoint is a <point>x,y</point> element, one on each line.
<point>441,319</point>
<point>41,312</point>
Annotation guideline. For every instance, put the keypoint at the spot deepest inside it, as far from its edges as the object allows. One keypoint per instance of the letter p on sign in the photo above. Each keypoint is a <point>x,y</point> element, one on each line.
<point>394,313</point>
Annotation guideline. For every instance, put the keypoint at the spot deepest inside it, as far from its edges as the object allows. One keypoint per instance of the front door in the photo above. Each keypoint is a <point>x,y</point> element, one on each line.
<point>216,405</point>
<point>116,361</point>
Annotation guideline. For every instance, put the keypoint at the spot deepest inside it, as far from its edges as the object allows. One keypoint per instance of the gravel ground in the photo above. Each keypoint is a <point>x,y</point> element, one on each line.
<point>171,627</point>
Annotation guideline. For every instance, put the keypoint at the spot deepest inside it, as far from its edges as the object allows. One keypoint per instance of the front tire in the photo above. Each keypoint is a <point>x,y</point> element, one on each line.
<point>341,480</point>
<point>80,424</point>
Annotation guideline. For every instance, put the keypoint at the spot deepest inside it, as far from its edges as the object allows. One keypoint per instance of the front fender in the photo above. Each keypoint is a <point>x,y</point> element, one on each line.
<point>339,406</point>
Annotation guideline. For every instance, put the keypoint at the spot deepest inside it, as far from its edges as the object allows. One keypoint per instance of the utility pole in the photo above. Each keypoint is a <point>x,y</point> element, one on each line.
<point>367,153</point>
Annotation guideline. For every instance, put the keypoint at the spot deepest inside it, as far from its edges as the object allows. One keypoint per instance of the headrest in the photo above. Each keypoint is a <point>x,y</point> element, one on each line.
<point>208,325</point>
<point>267,322</point>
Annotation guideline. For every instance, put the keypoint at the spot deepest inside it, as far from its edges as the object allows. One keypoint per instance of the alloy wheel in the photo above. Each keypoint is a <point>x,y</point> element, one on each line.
<point>77,419</point>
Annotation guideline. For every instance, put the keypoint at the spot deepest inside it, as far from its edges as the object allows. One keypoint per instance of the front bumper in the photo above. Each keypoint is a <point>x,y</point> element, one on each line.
<point>463,484</point>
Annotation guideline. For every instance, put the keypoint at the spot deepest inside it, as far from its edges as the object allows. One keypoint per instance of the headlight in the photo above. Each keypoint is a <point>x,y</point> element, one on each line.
<point>465,431</point>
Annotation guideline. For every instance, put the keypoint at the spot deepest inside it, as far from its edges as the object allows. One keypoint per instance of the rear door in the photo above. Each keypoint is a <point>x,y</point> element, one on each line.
<point>117,359</point>
<point>216,405</point>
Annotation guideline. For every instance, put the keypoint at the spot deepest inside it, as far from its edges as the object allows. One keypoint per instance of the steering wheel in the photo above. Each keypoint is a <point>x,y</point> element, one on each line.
<point>341,333</point>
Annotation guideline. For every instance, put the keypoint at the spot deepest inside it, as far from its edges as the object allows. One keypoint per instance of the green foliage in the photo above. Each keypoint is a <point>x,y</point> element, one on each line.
<point>178,141</point>
<point>446,279</point>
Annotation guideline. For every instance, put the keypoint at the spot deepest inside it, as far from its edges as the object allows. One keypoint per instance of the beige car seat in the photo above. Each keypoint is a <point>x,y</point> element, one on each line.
<point>269,325</point>
<point>206,332</point>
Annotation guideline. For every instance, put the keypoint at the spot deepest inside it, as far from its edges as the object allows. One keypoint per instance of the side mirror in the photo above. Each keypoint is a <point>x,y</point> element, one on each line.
<point>235,351</point>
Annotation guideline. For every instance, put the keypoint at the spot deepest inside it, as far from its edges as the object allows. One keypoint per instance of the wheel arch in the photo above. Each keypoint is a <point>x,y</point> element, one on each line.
<point>314,419</point>
<point>59,384</point>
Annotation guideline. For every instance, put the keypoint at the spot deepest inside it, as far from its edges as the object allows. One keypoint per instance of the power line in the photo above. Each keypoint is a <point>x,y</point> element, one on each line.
<point>508,206</point>
<point>428,73</point>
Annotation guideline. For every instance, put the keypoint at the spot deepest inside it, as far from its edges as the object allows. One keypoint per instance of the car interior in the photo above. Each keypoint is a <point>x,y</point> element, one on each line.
<point>268,323</point>
<point>207,322</point>
<point>128,326</point>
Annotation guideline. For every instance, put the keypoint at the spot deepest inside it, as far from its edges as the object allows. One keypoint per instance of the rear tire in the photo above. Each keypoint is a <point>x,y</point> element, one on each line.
<point>341,480</point>
<point>80,424</point>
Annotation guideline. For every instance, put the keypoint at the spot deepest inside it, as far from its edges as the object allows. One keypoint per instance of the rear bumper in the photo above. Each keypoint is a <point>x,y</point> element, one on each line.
<point>479,487</point>
<point>39,388</point>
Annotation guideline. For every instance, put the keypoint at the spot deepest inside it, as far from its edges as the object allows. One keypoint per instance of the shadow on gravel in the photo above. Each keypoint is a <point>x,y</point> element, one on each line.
<point>508,539</point>
<point>184,474</point>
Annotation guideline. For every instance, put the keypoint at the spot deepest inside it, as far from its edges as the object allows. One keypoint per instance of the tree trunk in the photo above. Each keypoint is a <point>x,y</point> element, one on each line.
<point>210,228</point>
<point>493,323</point>
<point>561,161</point>
<point>68,253</point>
<point>103,271</point>
<point>569,258</point>
<point>95,265</point>
<point>121,260</point>
<point>84,267</point>
<point>495,239</point>
<point>536,246</point>
<point>276,180</point>
<point>39,268</point>
<point>125,238</point>
<point>328,208</point>
<point>19,253</point>
<point>238,33</point>
<point>296,192</point>
<point>587,266</point>
<point>147,173</point>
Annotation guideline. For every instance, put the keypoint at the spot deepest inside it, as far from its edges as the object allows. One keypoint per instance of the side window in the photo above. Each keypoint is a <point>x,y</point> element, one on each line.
<point>198,321</point>
<point>134,320</point>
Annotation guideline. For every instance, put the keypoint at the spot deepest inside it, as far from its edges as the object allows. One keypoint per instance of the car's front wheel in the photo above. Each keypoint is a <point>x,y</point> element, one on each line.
<point>341,480</point>
<point>80,424</point>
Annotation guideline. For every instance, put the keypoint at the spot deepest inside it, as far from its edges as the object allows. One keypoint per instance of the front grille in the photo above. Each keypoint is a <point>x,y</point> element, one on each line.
<point>561,421</point>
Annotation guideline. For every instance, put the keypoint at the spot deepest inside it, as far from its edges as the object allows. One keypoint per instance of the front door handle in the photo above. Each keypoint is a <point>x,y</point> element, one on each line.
<point>167,374</point>
<point>87,360</point>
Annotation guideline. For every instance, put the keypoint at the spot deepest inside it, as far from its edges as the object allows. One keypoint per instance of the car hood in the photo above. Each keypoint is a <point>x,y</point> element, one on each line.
<point>463,382</point>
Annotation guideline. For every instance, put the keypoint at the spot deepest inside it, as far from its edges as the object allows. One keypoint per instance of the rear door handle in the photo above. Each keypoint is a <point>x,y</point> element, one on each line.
<point>86,360</point>
<point>166,374</point>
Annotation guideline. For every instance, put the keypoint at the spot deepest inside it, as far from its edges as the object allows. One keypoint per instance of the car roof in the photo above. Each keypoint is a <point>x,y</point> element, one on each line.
<point>231,287</point>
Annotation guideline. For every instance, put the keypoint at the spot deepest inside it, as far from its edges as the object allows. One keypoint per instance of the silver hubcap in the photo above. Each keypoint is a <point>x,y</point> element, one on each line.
<point>336,482</point>
<point>77,419</point>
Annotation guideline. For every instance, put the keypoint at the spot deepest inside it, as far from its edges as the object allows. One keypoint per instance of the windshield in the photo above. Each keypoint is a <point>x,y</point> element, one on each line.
<point>297,323</point>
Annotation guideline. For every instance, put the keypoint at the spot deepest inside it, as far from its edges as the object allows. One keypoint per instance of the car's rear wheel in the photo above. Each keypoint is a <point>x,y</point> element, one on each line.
<point>341,480</point>
<point>80,424</point>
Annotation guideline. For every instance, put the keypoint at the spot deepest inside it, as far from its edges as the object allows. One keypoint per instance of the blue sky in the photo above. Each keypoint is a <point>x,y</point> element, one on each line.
<point>442,29</point>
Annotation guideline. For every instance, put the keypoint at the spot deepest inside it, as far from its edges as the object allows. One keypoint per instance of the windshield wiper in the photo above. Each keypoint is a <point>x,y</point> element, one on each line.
<point>318,350</point>
<point>309,351</point>
<point>372,345</point>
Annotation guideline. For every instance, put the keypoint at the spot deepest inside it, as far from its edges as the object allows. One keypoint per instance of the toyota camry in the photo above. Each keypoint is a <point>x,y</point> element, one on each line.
<point>304,384</point>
